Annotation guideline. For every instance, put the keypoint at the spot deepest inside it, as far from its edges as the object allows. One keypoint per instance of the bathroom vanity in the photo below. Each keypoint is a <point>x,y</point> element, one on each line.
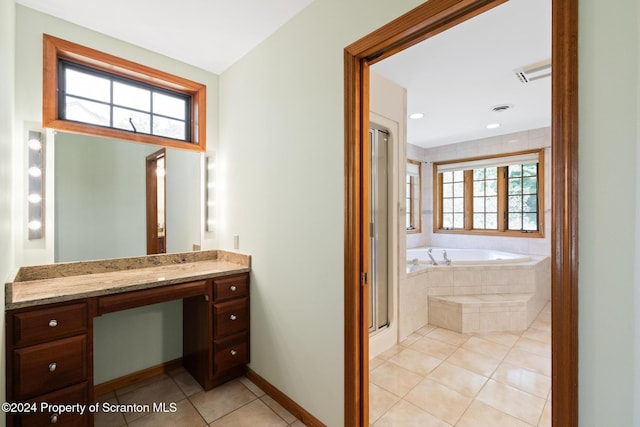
<point>49,324</point>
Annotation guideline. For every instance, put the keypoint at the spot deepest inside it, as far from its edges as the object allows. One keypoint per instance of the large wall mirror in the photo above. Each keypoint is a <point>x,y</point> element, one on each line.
<point>100,198</point>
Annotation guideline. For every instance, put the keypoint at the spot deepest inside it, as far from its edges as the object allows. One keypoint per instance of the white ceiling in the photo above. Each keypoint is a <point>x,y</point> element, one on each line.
<point>210,34</point>
<point>458,76</point>
<point>454,78</point>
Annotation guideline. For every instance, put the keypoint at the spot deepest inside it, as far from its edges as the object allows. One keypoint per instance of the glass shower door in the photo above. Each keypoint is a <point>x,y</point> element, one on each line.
<point>379,230</point>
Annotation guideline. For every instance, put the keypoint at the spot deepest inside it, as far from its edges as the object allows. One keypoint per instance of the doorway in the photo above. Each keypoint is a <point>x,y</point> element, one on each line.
<point>419,24</point>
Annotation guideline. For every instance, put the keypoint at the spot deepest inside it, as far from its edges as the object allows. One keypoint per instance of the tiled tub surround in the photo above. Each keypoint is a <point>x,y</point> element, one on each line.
<point>475,298</point>
<point>52,283</point>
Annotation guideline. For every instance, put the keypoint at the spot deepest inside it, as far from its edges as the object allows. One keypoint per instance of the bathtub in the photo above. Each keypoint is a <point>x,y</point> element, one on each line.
<point>480,291</point>
<point>420,256</point>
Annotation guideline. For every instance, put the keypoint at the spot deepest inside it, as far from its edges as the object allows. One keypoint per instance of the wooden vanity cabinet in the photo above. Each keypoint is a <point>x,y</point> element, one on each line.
<point>216,331</point>
<point>49,357</point>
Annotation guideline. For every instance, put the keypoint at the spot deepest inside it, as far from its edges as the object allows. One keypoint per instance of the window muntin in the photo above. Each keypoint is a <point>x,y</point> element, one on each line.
<point>413,191</point>
<point>90,112</point>
<point>522,185</point>
<point>453,200</point>
<point>485,198</point>
<point>496,195</point>
<point>95,97</point>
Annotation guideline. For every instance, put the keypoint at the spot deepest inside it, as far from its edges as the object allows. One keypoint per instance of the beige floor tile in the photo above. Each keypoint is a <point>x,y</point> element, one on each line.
<point>394,379</point>
<point>256,413</point>
<point>416,361</point>
<point>439,400</point>
<point>375,362</point>
<point>222,400</point>
<point>251,386</point>
<point>448,336</point>
<point>505,338</point>
<point>108,419</point>
<point>538,335</point>
<point>534,346</point>
<point>278,409</point>
<point>410,339</point>
<point>531,361</point>
<point>186,382</point>
<point>545,419</point>
<point>407,415</point>
<point>433,348</point>
<point>488,348</point>
<point>425,329</point>
<point>165,390</point>
<point>388,354</point>
<point>380,401</point>
<point>476,362</point>
<point>185,415</point>
<point>459,379</point>
<point>482,415</point>
<point>298,423</point>
<point>523,379</point>
<point>524,406</point>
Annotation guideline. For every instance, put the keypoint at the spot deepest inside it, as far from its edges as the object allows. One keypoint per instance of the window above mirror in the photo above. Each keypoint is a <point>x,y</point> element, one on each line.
<point>89,92</point>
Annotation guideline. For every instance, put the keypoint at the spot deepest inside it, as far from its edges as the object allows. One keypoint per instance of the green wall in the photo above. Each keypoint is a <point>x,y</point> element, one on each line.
<point>609,220</point>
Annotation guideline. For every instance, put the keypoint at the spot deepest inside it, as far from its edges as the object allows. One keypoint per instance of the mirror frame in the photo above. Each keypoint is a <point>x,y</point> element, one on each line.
<point>413,27</point>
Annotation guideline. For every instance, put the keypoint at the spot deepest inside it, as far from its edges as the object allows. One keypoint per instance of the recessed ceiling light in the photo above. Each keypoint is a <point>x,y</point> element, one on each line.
<point>493,126</point>
<point>416,116</point>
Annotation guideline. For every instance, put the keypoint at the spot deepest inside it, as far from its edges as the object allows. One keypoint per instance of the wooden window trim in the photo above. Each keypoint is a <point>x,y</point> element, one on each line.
<point>55,49</point>
<point>468,183</point>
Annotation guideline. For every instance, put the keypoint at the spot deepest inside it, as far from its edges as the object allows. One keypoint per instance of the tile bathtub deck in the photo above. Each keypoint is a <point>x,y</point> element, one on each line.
<point>440,378</point>
<point>235,404</point>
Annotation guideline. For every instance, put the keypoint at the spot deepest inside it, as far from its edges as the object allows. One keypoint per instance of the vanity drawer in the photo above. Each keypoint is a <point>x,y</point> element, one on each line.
<point>44,324</point>
<point>67,396</point>
<point>45,367</point>
<point>231,287</point>
<point>230,317</point>
<point>230,352</point>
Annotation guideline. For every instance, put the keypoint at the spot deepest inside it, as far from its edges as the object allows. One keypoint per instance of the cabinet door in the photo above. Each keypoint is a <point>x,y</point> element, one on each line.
<point>43,324</point>
<point>46,367</point>
<point>68,396</point>
<point>230,317</point>
<point>230,352</point>
<point>230,287</point>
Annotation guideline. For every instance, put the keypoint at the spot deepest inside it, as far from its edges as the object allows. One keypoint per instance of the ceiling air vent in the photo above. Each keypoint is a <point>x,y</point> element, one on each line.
<point>533,72</point>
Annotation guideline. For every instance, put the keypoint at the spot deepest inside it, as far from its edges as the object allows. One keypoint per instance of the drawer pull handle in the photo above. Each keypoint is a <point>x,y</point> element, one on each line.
<point>233,352</point>
<point>233,288</point>
<point>53,366</point>
<point>54,418</point>
<point>53,323</point>
<point>233,317</point>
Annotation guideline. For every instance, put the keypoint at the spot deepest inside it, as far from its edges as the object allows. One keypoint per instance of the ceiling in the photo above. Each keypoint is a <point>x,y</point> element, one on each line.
<point>454,78</point>
<point>209,34</point>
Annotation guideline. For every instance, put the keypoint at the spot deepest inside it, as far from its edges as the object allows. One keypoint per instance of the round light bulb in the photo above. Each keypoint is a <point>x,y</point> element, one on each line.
<point>35,225</point>
<point>34,144</point>
<point>34,198</point>
<point>35,171</point>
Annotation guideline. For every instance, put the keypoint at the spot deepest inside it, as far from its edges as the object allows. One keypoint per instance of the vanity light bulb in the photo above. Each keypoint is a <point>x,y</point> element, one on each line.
<point>34,198</point>
<point>35,171</point>
<point>34,144</point>
<point>160,171</point>
<point>35,225</point>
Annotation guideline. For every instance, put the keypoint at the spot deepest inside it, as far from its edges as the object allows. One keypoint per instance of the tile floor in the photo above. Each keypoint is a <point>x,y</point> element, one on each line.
<point>441,378</point>
<point>237,403</point>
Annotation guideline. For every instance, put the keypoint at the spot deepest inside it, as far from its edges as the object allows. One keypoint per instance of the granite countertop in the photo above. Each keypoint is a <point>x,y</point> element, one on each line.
<point>45,284</point>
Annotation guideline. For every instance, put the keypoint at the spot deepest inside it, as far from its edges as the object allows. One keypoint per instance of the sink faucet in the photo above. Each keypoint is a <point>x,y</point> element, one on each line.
<point>447,261</point>
<point>433,261</point>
